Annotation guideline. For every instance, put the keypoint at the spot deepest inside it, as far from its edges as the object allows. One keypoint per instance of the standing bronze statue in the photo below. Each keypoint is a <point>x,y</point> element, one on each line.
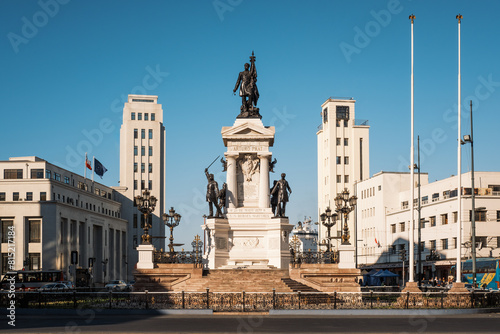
<point>282,189</point>
<point>247,82</point>
<point>222,197</point>
<point>274,198</point>
<point>212,195</point>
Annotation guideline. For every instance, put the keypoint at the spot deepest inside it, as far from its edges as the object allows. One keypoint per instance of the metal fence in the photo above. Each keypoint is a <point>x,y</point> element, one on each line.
<point>251,301</point>
<point>314,257</point>
<point>178,257</point>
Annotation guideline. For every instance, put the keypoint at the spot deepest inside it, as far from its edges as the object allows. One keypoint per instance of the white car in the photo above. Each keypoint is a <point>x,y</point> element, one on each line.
<point>117,285</point>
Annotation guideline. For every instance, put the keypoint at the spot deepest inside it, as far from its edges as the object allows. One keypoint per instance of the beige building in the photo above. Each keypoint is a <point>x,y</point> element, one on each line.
<point>343,156</point>
<point>54,212</point>
<point>142,166</point>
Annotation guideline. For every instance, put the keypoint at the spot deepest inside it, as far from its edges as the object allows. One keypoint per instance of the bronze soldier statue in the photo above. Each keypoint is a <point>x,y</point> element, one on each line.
<point>222,197</point>
<point>283,190</point>
<point>212,194</point>
<point>274,198</point>
<point>247,82</point>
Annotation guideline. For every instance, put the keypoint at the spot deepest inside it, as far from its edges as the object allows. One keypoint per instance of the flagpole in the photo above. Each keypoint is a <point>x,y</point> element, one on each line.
<point>93,159</point>
<point>459,168</point>
<point>85,167</point>
<point>412,173</point>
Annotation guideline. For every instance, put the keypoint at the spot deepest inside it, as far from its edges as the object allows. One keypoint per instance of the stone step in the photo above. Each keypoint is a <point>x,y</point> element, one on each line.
<point>297,286</point>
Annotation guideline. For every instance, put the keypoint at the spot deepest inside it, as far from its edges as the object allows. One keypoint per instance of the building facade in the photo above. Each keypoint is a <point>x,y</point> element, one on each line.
<point>142,166</point>
<point>383,216</point>
<point>343,156</point>
<point>54,212</point>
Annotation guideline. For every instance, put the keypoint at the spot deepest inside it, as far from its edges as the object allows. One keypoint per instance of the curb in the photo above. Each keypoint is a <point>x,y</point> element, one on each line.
<point>388,312</point>
<point>79,312</point>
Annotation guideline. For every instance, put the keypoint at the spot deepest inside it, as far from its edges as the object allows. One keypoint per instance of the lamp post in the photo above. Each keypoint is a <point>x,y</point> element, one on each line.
<point>328,220</point>
<point>146,205</point>
<point>468,139</point>
<point>172,219</point>
<point>345,205</point>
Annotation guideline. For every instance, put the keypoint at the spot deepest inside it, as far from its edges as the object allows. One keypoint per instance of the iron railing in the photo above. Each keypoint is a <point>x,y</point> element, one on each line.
<point>251,301</point>
<point>314,257</point>
<point>177,257</point>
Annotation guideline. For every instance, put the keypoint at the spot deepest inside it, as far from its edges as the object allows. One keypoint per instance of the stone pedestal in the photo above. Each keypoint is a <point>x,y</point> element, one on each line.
<point>145,257</point>
<point>249,236</point>
<point>411,287</point>
<point>346,257</point>
<point>458,287</point>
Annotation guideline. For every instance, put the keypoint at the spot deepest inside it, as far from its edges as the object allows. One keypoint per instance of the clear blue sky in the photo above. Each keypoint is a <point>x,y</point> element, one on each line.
<point>67,67</point>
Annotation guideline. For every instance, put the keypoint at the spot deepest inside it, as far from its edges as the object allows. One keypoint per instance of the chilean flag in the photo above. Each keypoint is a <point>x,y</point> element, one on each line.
<point>87,162</point>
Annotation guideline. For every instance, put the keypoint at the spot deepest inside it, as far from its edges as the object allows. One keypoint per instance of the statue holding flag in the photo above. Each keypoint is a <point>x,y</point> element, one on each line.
<point>247,82</point>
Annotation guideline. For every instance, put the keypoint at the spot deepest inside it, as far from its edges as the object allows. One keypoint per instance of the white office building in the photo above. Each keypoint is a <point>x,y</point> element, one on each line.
<point>142,166</point>
<point>343,157</point>
<point>54,212</point>
<point>383,220</point>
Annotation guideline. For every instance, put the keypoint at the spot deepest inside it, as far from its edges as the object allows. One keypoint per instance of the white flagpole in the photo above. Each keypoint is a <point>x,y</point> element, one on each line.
<point>459,168</point>
<point>411,243</point>
<point>85,167</point>
<point>93,160</point>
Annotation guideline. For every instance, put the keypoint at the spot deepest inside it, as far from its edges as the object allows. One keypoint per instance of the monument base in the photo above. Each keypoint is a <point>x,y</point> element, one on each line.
<point>458,287</point>
<point>346,257</point>
<point>145,257</point>
<point>411,287</point>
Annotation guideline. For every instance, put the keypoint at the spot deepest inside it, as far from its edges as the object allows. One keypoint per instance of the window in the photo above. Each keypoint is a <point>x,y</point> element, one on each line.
<point>37,173</point>
<point>480,215</point>
<point>7,225</point>
<point>5,263</point>
<point>435,197</point>
<point>422,223</point>
<point>343,112</point>
<point>454,242</point>
<point>57,176</point>
<point>422,246</point>
<point>34,230</point>
<point>402,227</point>
<point>143,167</point>
<point>339,178</point>
<point>446,194</point>
<point>455,216</point>
<point>339,160</point>
<point>135,150</point>
<point>346,141</point>
<point>339,140</point>
<point>135,134</point>
<point>444,243</point>
<point>34,261</point>
<point>346,123</point>
<point>337,122</point>
<point>146,116</point>
<point>404,205</point>
<point>150,185</point>
<point>152,116</point>
<point>29,196</point>
<point>13,174</point>
<point>132,116</point>
<point>150,150</point>
<point>150,133</point>
<point>379,188</point>
<point>432,220</point>
<point>346,160</point>
<point>433,244</point>
<point>2,197</point>
<point>15,196</point>
<point>444,219</point>
<point>498,215</point>
<point>425,199</point>
<point>66,180</point>
<point>150,167</point>
<point>142,184</point>
<point>346,178</point>
<point>135,167</point>
<point>135,184</point>
<point>48,174</point>
<point>393,228</point>
<point>139,116</point>
<point>143,134</point>
<point>143,150</point>
<point>325,115</point>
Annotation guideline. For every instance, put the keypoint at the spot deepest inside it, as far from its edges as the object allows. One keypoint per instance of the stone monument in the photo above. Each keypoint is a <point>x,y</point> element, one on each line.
<point>249,236</point>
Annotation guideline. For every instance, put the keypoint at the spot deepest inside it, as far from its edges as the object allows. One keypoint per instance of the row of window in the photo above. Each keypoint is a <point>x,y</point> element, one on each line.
<point>143,185</point>
<point>32,262</point>
<point>143,133</point>
<point>339,160</point>
<point>34,230</point>
<point>339,178</point>
<point>16,197</point>
<point>143,167</point>
<point>342,112</point>
<point>139,116</point>
<point>143,150</point>
<point>368,212</point>
<point>369,192</point>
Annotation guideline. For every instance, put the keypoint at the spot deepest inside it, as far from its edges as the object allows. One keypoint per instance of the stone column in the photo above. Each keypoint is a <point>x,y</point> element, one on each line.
<point>264,180</point>
<point>231,180</point>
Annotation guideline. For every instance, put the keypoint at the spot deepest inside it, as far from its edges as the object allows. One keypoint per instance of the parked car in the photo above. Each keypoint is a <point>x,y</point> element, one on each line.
<point>130,285</point>
<point>117,285</point>
<point>54,287</point>
<point>69,284</point>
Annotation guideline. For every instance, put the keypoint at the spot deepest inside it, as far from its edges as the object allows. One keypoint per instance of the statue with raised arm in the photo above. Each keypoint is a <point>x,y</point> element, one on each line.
<point>282,188</point>
<point>212,195</point>
<point>247,82</point>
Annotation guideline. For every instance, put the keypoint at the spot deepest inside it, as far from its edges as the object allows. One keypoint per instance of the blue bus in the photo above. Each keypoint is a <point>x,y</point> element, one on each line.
<point>487,273</point>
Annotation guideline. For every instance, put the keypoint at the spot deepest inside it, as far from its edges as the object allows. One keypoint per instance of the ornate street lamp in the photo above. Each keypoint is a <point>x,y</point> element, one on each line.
<point>172,219</point>
<point>345,205</point>
<point>146,205</point>
<point>328,220</point>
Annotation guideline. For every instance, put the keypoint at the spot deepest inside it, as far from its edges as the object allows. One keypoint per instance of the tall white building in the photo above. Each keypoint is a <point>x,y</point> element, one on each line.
<point>142,166</point>
<point>54,212</point>
<point>384,220</point>
<point>343,156</point>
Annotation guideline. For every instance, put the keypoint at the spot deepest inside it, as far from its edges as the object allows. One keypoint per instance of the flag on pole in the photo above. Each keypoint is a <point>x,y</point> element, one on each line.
<point>99,168</point>
<point>87,162</point>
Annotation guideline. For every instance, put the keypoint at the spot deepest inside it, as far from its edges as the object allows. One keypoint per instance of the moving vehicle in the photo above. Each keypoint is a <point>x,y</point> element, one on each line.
<point>117,285</point>
<point>30,279</point>
<point>54,287</point>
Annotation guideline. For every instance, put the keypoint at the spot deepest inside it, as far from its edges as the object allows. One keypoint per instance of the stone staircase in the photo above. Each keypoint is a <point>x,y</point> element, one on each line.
<point>237,280</point>
<point>297,286</point>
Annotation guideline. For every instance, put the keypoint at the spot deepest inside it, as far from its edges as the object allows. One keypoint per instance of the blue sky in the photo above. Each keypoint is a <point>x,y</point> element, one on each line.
<point>68,66</point>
